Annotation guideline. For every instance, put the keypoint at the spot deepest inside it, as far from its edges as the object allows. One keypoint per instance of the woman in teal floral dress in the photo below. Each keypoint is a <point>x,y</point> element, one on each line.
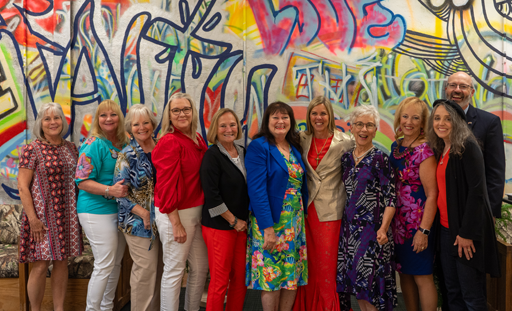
<point>276,255</point>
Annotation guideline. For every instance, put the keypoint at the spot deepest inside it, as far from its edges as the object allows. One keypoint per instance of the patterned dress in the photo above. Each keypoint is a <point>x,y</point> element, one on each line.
<point>409,212</point>
<point>53,192</point>
<point>365,268</point>
<point>286,267</point>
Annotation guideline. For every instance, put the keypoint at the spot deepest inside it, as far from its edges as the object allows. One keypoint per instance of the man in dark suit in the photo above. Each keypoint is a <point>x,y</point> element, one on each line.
<point>487,129</point>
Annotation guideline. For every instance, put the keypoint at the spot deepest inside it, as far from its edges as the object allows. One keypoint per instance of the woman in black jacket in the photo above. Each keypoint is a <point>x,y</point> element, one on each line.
<point>468,247</point>
<point>225,212</point>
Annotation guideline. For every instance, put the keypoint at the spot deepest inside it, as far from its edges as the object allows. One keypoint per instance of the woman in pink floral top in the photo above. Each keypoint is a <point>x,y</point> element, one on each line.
<point>416,187</point>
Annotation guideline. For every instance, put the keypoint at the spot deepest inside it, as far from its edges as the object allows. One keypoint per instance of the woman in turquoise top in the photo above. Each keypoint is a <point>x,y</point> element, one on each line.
<point>97,207</point>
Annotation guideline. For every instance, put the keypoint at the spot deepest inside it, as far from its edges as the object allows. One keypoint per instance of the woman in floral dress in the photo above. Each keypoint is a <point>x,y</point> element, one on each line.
<point>49,230</point>
<point>365,257</point>
<point>276,255</point>
<point>415,167</point>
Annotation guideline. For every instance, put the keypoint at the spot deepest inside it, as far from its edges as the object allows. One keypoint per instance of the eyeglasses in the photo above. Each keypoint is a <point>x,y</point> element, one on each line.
<point>369,126</point>
<point>177,111</point>
<point>462,87</point>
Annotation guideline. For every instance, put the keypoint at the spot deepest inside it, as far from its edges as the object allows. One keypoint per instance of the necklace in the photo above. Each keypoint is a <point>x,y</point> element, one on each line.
<point>444,154</point>
<point>358,158</point>
<point>399,155</point>
<point>316,149</point>
<point>283,149</point>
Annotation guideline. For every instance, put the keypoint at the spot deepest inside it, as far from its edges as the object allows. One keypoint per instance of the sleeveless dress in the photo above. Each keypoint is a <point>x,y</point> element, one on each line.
<point>287,266</point>
<point>409,211</point>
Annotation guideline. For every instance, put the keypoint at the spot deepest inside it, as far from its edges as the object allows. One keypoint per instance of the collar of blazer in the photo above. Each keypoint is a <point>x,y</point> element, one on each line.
<point>471,117</point>
<point>332,153</point>
<point>279,157</point>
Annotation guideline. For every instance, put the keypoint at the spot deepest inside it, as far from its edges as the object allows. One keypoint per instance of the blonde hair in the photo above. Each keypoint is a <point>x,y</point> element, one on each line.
<point>214,127</point>
<point>96,130</point>
<point>167,126</point>
<point>424,116</point>
<point>135,112</point>
<point>49,107</point>
<point>320,100</point>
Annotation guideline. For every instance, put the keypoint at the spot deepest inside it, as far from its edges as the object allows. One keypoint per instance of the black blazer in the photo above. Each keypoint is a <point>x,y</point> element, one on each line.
<point>469,215</point>
<point>222,182</point>
<point>487,129</point>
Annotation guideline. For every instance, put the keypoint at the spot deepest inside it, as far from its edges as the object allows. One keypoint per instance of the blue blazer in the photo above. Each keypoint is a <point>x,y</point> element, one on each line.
<point>267,178</point>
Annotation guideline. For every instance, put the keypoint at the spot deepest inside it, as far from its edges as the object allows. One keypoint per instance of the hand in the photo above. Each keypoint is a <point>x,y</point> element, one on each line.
<point>146,218</point>
<point>180,235</point>
<point>37,230</point>
<point>118,190</point>
<point>241,225</point>
<point>270,239</point>
<point>419,242</point>
<point>382,236</point>
<point>466,246</point>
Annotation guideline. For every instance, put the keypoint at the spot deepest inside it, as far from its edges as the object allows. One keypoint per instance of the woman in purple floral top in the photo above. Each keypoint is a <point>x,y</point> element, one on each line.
<point>416,207</point>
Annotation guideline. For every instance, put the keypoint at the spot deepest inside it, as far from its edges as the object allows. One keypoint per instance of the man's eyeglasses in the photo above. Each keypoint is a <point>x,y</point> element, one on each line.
<point>369,126</point>
<point>462,87</point>
<point>177,111</point>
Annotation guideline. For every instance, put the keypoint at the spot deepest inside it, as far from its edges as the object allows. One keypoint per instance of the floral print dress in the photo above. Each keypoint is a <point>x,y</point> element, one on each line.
<point>409,211</point>
<point>286,267</point>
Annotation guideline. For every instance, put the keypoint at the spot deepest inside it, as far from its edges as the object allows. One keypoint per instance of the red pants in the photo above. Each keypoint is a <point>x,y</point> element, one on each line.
<point>226,259</point>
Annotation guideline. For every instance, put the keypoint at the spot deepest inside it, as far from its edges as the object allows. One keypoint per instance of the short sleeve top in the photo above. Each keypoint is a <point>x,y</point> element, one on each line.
<point>96,162</point>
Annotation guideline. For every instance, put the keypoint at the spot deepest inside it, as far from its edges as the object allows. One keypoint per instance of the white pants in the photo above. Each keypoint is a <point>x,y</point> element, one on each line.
<point>175,256</point>
<point>107,245</point>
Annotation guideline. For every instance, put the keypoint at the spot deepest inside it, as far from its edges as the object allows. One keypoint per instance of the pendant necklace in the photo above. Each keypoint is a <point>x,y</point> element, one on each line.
<point>444,154</point>
<point>316,150</point>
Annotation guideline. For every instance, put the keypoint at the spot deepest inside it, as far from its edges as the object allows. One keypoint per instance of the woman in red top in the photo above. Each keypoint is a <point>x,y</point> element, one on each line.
<point>467,240</point>
<point>179,201</point>
<point>323,145</point>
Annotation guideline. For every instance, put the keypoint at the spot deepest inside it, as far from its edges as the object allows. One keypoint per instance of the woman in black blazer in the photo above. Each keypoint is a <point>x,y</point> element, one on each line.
<point>225,212</point>
<point>468,247</point>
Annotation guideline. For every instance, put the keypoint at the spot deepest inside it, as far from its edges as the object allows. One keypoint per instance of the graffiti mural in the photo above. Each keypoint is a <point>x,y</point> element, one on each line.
<point>243,54</point>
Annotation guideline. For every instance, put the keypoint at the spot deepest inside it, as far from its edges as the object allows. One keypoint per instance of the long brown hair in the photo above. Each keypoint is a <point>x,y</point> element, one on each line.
<point>292,136</point>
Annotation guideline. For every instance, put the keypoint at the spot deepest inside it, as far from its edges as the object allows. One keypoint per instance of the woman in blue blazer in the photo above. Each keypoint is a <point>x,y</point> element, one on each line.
<point>278,197</point>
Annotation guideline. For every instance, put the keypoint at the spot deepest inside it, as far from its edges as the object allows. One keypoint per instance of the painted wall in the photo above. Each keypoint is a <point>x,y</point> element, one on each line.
<point>243,54</point>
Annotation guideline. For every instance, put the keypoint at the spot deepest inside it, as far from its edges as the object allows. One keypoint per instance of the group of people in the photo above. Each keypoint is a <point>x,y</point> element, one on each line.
<point>309,218</point>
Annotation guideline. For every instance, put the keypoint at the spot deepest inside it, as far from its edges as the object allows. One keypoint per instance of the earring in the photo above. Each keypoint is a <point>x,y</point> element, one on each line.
<point>422,132</point>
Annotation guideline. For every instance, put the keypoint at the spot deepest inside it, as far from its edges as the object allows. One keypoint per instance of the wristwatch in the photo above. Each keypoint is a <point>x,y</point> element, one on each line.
<point>424,231</point>
<point>234,224</point>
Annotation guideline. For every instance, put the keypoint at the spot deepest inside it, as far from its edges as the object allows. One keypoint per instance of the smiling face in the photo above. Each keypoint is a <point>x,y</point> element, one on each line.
<point>182,121</point>
<point>228,129</point>
<point>363,135</point>
<point>142,129</point>
<point>319,117</point>
<point>279,124</point>
<point>51,124</point>
<point>461,97</point>
<point>109,121</point>
<point>410,120</point>
<point>442,123</point>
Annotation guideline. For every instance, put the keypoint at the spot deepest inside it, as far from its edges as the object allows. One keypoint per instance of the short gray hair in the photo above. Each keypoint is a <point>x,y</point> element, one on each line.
<point>365,110</point>
<point>45,109</point>
<point>135,112</point>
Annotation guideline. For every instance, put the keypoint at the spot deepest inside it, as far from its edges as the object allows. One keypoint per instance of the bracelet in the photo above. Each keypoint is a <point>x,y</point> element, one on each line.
<point>234,224</point>
<point>106,192</point>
